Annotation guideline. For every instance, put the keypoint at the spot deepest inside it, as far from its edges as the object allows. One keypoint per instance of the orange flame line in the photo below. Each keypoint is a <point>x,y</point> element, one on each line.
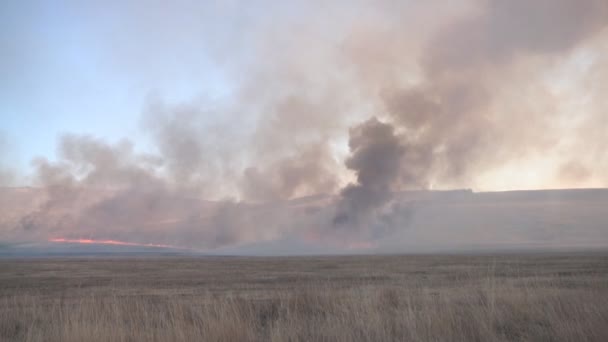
<point>111,242</point>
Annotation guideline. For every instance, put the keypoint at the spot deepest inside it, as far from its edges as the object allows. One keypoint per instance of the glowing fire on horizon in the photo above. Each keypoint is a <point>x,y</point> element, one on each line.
<point>111,242</point>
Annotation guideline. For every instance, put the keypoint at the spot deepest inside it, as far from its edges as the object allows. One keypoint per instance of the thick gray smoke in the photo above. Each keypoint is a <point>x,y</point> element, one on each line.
<point>307,172</point>
<point>448,128</point>
<point>505,30</point>
<point>460,99</point>
<point>376,154</point>
<point>449,114</point>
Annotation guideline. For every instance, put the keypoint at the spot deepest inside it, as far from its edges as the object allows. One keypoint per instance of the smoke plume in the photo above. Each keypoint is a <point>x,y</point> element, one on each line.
<point>348,101</point>
<point>448,128</point>
<point>375,157</point>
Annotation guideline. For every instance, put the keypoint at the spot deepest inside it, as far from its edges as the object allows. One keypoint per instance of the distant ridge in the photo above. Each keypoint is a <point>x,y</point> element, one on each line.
<point>425,220</point>
<point>79,250</point>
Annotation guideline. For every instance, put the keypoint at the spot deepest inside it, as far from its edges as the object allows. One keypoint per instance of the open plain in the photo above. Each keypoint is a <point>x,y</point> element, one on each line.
<point>530,297</point>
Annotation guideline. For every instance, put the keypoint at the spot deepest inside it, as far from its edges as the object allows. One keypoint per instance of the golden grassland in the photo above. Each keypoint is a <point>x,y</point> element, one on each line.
<point>347,298</point>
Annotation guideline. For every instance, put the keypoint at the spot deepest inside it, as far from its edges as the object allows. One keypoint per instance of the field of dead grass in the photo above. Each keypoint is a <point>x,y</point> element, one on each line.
<point>355,298</point>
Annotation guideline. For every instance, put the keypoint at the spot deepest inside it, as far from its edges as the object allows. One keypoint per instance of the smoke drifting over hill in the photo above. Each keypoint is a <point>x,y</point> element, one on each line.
<point>345,99</point>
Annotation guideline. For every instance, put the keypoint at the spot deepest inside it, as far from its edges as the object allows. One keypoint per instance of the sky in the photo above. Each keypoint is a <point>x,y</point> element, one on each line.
<point>254,102</point>
<point>93,69</point>
<point>88,68</point>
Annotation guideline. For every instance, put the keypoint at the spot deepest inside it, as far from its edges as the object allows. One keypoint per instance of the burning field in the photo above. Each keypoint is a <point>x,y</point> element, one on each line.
<point>267,170</point>
<point>315,126</point>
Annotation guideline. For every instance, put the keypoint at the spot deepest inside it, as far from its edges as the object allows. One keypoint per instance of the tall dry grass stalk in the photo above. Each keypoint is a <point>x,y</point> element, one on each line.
<point>477,306</point>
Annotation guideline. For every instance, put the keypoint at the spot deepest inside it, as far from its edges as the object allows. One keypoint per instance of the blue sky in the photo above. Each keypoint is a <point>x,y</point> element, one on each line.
<point>88,69</point>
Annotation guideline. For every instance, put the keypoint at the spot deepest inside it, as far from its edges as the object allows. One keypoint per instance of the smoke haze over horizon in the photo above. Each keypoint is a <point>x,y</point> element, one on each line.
<point>200,124</point>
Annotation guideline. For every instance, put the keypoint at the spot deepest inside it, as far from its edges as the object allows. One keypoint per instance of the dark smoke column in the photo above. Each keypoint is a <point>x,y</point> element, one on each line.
<point>376,154</point>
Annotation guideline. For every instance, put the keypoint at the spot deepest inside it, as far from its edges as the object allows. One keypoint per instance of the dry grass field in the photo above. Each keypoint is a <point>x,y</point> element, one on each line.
<point>355,298</point>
